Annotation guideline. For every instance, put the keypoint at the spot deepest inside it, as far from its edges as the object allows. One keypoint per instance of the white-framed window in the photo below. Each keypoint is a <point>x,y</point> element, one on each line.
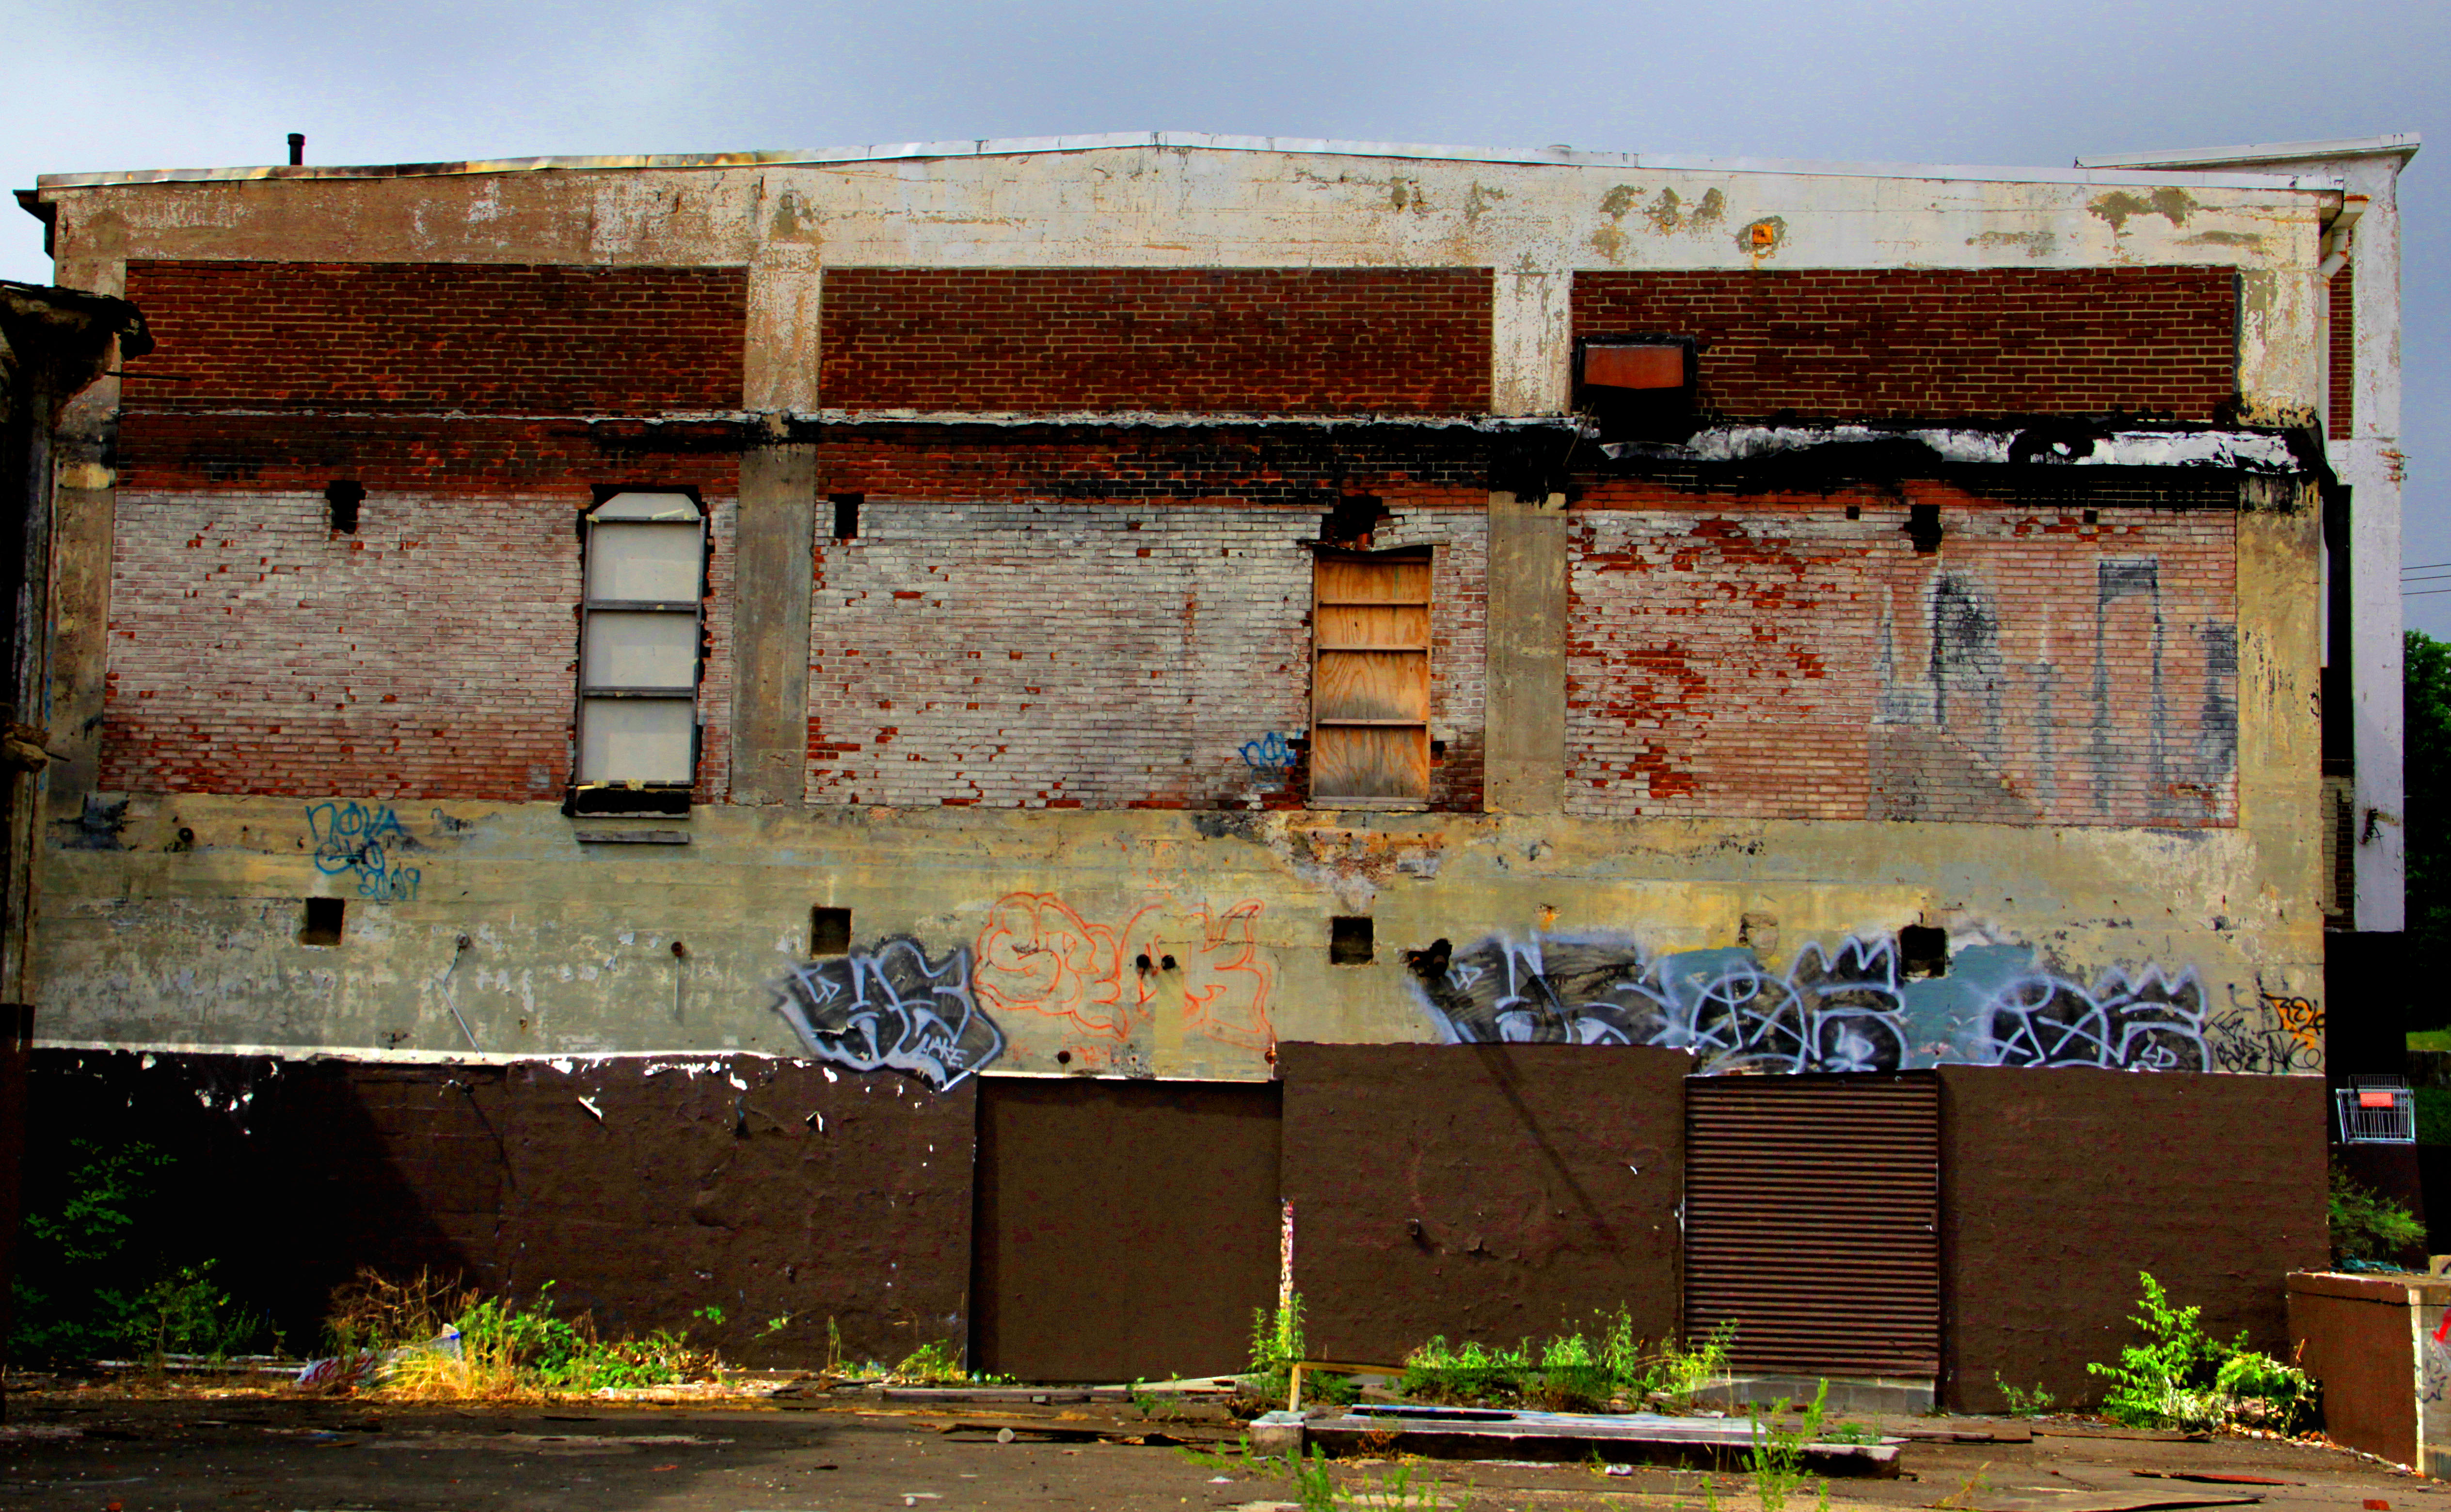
<point>639,642</point>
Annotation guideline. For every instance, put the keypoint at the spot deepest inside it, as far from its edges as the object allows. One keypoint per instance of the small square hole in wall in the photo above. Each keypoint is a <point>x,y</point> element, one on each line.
<point>322,926</point>
<point>2093,516</point>
<point>345,495</point>
<point>829,931</point>
<point>1923,951</point>
<point>1348,940</point>
<point>1855,511</point>
<point>847,516</point>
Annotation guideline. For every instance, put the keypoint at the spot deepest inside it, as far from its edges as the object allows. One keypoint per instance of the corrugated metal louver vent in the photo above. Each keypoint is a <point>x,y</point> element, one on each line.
<point>1811,1221</point>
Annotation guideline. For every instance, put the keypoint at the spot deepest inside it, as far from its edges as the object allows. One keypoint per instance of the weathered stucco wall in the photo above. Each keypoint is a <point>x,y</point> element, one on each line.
<point>1040,920</point>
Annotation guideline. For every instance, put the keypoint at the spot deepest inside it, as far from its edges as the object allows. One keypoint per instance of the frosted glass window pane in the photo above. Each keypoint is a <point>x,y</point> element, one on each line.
<point>641,650</point>
<point>653,562</point>
<point>646,507</point>
<point>634,740</point>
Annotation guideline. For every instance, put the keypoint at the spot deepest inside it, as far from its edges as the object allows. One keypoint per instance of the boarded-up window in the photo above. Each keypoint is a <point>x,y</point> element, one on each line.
<point>638,641</point>
<point>1370,679</point>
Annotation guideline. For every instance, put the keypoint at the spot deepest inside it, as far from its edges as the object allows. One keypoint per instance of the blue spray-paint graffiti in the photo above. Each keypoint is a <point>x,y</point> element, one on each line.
<point>1270,754</point>
<point>1850,1008</point>
<point>354,838</point>
<point>890,1008</point>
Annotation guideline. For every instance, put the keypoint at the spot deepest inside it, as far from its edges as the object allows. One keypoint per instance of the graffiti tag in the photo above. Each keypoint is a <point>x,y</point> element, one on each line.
<point>1270,754</point>
<point>891,1008</point>
<point>1038,955</point>
<point>2293,1041</point>
<point>356,839</point>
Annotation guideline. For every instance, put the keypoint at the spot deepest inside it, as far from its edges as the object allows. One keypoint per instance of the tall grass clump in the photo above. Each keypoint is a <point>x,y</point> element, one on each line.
<point>429,1338</point>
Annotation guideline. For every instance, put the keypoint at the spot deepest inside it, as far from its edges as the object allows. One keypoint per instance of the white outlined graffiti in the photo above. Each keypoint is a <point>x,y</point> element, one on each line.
<point>2146,1021</point>
<point>1847,1008</point>
<point>891,1008</point>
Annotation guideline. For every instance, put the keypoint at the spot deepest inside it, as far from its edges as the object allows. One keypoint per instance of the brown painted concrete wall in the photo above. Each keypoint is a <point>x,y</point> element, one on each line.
<point>1482,1192</point>
<point>2357,1336</point>
<point>1126,1229</point>
<point>2057,1187</point>
<point>763,1188</point>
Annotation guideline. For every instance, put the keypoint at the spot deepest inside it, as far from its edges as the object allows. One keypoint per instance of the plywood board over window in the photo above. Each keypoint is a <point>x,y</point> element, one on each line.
<point>1370,679</point>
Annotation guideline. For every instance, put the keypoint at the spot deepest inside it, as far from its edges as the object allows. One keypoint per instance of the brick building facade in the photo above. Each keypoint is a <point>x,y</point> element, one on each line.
<point>1565,604</point>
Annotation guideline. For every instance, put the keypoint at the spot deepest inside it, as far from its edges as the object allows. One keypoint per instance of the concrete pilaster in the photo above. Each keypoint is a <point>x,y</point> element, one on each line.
<point>1525,749</point>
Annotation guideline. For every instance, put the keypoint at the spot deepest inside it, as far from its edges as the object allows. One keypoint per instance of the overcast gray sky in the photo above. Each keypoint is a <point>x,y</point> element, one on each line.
<point>142,83</point>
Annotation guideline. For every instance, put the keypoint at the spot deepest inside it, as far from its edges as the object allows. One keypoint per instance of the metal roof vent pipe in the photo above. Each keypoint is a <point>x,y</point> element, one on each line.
<point>297,149</point>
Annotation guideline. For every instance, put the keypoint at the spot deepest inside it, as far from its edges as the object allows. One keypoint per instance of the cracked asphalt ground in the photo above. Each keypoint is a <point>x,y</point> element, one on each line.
<point>92,1452</point>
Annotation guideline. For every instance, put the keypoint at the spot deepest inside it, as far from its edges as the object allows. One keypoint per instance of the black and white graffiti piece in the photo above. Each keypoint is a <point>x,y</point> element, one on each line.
<point>1843,1009</point>
<point>890,1008</point>
<point>2147,1021</point>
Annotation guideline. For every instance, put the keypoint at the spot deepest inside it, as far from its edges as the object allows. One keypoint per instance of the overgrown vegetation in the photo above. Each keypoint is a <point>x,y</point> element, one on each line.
<point>427,1338</point>
<point>2367,1228</point>
<point>2181,1377</point>
<point>93,1282</point>
<point>1572,1372</point>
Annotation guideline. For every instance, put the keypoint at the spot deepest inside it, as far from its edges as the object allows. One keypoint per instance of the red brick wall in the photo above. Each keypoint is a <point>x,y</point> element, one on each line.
<point>532,340</point>
<point>1767,657</point>
<point>433,654</point>
<point>1047,653</point>
<point>1938,342</point>
<point>2344,343</point>
<point>1407,342</point>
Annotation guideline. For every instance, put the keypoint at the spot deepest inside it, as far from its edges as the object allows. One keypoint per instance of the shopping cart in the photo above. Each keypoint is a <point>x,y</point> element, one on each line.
<point>2376,1111</point>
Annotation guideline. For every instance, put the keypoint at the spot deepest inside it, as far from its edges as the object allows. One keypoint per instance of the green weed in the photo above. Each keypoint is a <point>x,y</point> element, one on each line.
<point>2181,1377</point>
<point>1276,1345</point>
<point>1776,1458</point>
<point>1238,1462</point>
<point>1568,1373</point>
<point>933,1363</point>
<point>2023,1404</point>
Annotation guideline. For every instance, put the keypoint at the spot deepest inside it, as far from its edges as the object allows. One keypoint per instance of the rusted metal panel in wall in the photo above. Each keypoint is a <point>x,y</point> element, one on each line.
<point>1125,1229</point>
<point>1812,1221</point>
